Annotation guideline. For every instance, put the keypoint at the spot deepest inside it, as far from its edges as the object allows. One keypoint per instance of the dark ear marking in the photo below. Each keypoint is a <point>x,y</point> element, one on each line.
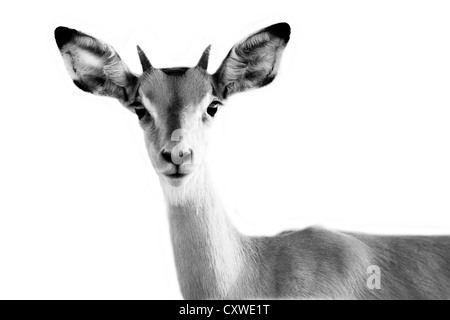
<point>64,35</point>
<point>81,86</point>
<point>281,30</point>
<point>267,81</point>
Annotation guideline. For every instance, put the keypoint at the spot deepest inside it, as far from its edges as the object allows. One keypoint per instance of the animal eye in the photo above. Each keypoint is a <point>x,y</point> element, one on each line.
<point>141,112</point>
<point>139,109</point>
<point>213,108</point>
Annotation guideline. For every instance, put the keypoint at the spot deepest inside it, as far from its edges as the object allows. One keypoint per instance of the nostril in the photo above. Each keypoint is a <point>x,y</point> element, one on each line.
<point>183,156</point>
<point>167,156</point>
<point>186,154</point>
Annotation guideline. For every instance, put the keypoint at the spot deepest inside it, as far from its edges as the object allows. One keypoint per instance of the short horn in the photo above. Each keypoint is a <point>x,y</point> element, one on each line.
<point>146,65</point>
<point>203,63</point>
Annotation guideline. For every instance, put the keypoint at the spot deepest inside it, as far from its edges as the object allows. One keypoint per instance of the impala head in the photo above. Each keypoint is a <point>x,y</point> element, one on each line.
<point>175,106</point>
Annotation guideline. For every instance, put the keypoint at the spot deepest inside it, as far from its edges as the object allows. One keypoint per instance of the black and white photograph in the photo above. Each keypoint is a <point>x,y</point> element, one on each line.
<point>211,150</point>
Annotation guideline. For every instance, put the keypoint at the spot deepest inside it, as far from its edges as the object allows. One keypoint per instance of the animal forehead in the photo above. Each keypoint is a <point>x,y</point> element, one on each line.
<point>175,87</point>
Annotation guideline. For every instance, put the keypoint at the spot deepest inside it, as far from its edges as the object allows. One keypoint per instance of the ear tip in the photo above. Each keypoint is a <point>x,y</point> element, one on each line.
<point>281,30</point>
<point>63,35</point>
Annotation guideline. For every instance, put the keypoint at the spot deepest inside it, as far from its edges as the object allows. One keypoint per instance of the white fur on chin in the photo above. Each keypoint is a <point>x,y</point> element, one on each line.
<point>195,192</point>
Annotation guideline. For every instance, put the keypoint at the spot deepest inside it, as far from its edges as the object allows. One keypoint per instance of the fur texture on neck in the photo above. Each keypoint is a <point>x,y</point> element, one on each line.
<point>210,254</point>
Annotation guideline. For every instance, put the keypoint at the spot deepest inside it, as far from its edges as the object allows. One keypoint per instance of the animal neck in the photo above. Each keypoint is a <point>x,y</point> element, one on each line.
<point>210,254</point>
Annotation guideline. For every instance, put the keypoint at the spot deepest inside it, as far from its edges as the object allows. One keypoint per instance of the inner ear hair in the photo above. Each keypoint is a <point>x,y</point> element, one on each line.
<point>254,61</point>
<point>94,66</point>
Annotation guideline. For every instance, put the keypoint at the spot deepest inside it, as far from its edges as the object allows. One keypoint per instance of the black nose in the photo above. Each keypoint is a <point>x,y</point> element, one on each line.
<point>183,156</point>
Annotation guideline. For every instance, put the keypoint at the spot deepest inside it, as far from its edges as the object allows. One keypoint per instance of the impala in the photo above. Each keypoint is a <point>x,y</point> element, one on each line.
<point>176,109</point>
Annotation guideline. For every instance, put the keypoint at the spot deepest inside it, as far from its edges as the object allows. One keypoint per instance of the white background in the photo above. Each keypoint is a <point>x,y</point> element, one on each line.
<point>354,134</point>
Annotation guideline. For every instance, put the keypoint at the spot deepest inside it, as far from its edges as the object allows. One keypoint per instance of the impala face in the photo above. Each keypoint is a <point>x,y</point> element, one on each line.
<point>175,106</point>
<point>176,109</point>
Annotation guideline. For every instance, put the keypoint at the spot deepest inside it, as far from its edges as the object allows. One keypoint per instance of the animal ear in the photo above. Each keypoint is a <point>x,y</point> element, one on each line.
<point>94,66</point>
<point>254,61</point>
